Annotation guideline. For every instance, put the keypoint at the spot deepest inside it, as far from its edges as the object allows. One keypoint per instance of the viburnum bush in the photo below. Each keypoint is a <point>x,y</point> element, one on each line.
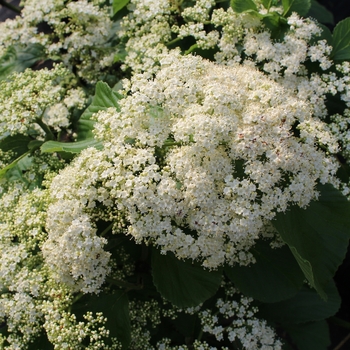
<point>174,174</point>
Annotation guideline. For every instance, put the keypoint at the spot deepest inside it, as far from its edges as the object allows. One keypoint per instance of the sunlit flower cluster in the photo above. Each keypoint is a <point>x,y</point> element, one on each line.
<point>32,102</point>
<point>78,32</point>
<point>197,137</point>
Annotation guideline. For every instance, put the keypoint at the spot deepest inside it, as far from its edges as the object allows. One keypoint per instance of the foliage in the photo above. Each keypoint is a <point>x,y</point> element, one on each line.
<point>177,179</point>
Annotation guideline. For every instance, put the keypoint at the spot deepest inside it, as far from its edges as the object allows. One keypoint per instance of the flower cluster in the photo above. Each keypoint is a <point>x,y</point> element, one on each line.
<point>77,32</point>
<point>197,137</point>
<point>34,102</point>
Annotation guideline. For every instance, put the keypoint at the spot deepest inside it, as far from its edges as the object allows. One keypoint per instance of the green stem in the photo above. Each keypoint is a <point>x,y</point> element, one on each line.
<point>191,49</point>
<point>48,132</point>
<point>340,322</point>
<point>10,6</point>
<point>172,42</point>
<point>79,296</point>
<point>106,230</point>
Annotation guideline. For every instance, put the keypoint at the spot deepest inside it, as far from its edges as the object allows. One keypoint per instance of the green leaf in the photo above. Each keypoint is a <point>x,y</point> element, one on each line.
<point>341,41</point>
<point>115,307</point>
<point>274,277</point>
<point>118,5</point>
<point>16,143</point>
<point>183,283</point>
<point>243,5</point>
<point>305,306</point>
<point>300,6</point>
<point>310,336</point>
<point>17,58</point>
<point>3,171</point>
<point>318,236</point>
<point>104,98</point>
<point>276,24</point>
<point>320,13</point>
<point>267,3</point>
<point>41,343</point>
<point>71,147</point>
<point>325,35</point>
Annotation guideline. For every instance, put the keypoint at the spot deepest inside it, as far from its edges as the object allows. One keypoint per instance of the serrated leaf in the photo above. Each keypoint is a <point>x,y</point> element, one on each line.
<point>183,283</point>
<point>274,277</point>
<point>305,306</point>
<point>341,41</point>
<point>104,98</point>
<point>310,336</point>
<point>113,306</point>
<point>17,58</point>
<point>318,236</point>
<point>243,5</point>
<point>320,13</point>
<point>301,7</point>
<point>118,5</point>
<point>70,147</point>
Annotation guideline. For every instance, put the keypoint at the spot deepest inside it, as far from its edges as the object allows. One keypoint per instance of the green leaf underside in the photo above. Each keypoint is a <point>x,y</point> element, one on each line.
<point>72,147</point>
<point>113,306</point>
<point>274,277</point>
<point>243,5</point>
<point>318,236</point>
<point>341,41</point>
<point>310,336</point>
<point>118,5</point>
<point>305,306</point>
<point>300,6</point>
<point>104,98</point>
<point>17,59</point>
<point>183,283</point>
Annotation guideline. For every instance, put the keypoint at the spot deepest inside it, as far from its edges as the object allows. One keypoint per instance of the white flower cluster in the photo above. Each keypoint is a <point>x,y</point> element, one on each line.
<point>35,100</point>
<point>245,327</point>
<point>77,32</point>
<point>241,325</point>
<point>146,28</point>
<point>65,332</point>
<point>195,162</point>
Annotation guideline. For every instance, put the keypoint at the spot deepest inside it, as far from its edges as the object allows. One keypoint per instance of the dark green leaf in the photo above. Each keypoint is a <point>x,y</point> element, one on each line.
<point>305,306</point>
<point>300,6</point>
<point>276,24</point>
<point>267,3</point>
<point>274,277</point>
<point>34,144</point>
<point>16,143</point>
<point>310,336</point>
<point>118,5</point>
<point>320,13</point>
<point>71,147</point>
<point>318,236</point>
<point>113,306</point>
<point>104,98</point>
<point>183,283</point>
<point>17,58</point>
<point>41,343</point>
<point>325,35</point>
<point>243,5</point>
<point>341,41</point>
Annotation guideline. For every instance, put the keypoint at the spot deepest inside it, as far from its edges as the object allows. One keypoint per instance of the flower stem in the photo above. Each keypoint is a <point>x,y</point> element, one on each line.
<point>10,6</point>
<point>49,134</point>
